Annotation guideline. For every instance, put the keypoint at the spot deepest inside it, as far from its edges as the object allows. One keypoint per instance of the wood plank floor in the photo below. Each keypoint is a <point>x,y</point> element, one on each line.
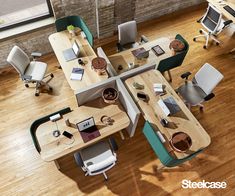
<point>22,171</point>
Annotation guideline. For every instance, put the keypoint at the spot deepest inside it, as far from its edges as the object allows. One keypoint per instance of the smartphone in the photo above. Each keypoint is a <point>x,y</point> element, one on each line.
<point>142,96</point>
<point>67,134</point>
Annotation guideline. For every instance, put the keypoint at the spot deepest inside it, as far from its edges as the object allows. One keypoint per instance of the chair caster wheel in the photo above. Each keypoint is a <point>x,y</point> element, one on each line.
<point>204,47</point>
<point>26,85</point>
<point>36,94</point>
<point>217,43</point>
<point>201,108</point>
<point>194,39</point>
<point>50,89</point>
<point>200,31</point>
<point>52,75</point>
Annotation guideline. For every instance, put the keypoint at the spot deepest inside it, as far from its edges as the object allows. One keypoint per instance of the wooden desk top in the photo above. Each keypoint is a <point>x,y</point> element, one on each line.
<point>53,148</point>
<point>220,6</point>
<point>61,41</point>
<point>181,121</point>
<point>125,57</point>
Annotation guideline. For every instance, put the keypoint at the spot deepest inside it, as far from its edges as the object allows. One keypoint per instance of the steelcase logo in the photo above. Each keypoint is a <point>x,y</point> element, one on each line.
<point>188,184</point>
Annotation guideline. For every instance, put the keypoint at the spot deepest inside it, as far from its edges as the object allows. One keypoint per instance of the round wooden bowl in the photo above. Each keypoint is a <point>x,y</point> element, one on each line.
<point>110,95</point>
<point>180,142</point>
<point>177,45</point>
<point>99,64</point>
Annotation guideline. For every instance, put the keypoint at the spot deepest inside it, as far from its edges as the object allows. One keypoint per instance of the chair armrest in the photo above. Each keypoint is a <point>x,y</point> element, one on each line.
<point>36,54</point>
<point>210,96</point>
<point>186,75</point>
<point>143,39</point>
<point>119,47</point>
<point>227,22</point>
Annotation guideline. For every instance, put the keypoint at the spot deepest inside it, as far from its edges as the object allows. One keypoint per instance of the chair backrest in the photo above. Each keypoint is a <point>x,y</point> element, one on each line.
<point>62,23</point>
<point>160,150</point>
<point>98,158</point>
<point>18,59</point>
<point>212,18</point>
<point>176,60</point>
<point>207,78</point>
<point>127,32</point>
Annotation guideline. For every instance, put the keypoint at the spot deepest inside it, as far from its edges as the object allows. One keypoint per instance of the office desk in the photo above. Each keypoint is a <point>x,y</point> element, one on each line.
<point>125,57</point>
<point>181,121</point>
<point>61,41</point>
<point>53,148</point>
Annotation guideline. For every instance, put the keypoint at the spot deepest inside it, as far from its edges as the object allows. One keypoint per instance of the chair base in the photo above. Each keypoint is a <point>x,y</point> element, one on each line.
<point>208,36</point>
<point>41,83</point>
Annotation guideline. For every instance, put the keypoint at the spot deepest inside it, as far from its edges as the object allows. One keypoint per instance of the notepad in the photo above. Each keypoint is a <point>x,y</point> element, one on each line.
<point>158,88</point>
<point>77,74</point>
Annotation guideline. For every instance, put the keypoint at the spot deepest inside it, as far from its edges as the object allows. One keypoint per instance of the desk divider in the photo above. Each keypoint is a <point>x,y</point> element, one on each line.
<point>111,71</point>
<point>93,92</point>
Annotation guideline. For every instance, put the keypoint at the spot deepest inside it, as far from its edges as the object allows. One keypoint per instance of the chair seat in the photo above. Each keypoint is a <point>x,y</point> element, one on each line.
<point>192,93</point>
<point>97,156</point>
<point>37,70</point>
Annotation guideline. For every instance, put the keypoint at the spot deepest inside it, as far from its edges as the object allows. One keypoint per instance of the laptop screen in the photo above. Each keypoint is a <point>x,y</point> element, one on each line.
<point>86,124</point>
<point>76,48</point>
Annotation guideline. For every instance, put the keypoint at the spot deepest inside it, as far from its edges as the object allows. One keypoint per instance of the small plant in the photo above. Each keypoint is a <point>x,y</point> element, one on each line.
<point>70,28</point>
<point>2,21</point>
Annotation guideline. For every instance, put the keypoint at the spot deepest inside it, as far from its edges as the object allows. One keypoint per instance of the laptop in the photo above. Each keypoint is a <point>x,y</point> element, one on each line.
<point>88,129</point>
<point>172,105</point>
<point>72,53</point>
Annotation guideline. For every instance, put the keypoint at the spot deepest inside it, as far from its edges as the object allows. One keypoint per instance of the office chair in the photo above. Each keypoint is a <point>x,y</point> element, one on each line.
<point>62,23</point>
<point>97,158</point>
<point>167,160</point>
<point>29,71</point>
<point>174,61</point>
<point>212,21</point>
<point>127,36</point>
<point>200,89</point>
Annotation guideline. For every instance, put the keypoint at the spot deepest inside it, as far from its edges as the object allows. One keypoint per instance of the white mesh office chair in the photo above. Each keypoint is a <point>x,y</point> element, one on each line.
<point>200,89</point>
<point>127,36</point>
<point>213,23</point>
<point>97,159</point>
<point>29,71</point>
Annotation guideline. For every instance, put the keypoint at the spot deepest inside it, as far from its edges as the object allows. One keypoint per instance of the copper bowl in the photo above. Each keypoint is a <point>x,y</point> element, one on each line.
<point>180,142</point>
<point>110,95</point>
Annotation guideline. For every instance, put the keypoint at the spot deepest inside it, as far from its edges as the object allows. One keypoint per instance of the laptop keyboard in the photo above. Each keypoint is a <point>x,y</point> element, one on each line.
<point>230,10</point>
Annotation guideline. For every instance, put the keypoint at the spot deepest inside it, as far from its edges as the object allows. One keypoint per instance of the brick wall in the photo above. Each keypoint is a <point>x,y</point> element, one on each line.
<point>111,13</point>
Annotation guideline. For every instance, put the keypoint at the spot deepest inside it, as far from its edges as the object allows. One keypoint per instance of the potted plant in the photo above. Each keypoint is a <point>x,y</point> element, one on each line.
<point>71,30</point>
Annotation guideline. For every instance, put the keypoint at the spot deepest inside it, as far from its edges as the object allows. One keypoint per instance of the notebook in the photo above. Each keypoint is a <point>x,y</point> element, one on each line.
<point>158,50</point>
<point>77,73</point>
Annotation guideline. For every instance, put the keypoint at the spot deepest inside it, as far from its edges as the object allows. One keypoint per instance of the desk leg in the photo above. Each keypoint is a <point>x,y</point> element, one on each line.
<point>160,167</point>
<point>121,134</point>
<point>57,164</point>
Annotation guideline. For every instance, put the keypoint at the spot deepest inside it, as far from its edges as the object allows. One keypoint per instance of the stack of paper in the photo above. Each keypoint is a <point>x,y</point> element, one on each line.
<point>77,74</point>
<point>158,88</point>
<point>163,107</point>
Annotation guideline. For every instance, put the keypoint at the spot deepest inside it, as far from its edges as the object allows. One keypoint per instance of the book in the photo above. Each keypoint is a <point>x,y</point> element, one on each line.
<point>138,52</point>
<point>158,50</point>
<point>76,74</point>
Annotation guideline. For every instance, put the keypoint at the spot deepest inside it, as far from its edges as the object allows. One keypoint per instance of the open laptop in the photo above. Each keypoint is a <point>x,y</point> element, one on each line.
<point>72,53</point>
<point>88,129</point>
